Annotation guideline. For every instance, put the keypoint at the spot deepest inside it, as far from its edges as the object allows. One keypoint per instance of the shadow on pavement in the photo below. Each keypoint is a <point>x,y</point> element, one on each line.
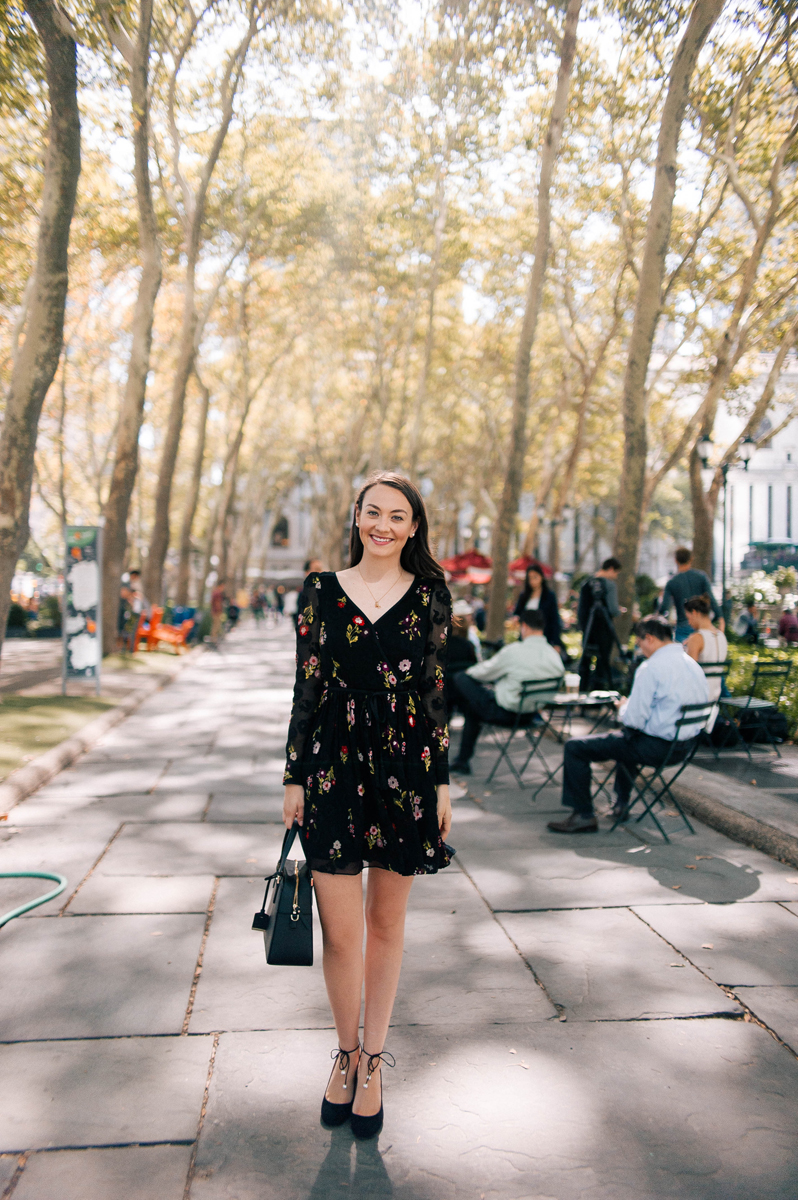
<point>715,880</point>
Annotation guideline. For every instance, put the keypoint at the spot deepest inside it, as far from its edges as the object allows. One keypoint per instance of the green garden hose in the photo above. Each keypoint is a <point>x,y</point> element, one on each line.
<point>23,908</point>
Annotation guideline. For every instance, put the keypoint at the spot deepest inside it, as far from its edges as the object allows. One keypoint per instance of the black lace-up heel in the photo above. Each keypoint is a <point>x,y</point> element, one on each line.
<point>337,1114</point>
<point>369,1127</point>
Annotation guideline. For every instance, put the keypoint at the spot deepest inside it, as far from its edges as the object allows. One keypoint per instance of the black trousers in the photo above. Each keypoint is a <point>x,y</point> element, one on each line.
<point>478,704</point>
<point>630,750</point>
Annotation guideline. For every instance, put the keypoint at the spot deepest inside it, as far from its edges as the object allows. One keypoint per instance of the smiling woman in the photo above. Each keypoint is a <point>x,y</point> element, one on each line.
<point>367,768</point>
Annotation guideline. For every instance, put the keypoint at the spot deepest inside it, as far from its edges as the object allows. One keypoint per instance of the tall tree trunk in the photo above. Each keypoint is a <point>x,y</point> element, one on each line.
<point>192,499</point>
<point>439,228</point>
<point>195,204</point>
<point>117,507</point>
<point>37,360</point>
<point>159,538</point>
<point>649,299</point>
<point>514,480</point>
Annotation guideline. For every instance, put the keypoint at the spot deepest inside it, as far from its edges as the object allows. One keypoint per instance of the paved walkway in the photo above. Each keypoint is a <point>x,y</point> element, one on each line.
<point>596,1018</point>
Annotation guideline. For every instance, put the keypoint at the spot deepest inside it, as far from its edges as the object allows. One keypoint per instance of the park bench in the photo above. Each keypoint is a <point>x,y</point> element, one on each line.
<point>153,630</point>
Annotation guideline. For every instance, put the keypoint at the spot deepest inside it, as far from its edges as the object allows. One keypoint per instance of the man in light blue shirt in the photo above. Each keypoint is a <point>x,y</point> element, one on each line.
<point>530,660</point>
<point>668,679</point>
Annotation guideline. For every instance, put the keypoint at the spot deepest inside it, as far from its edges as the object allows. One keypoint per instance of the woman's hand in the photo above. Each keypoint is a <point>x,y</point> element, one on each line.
<point>293,804</point>
<point>444,811</point>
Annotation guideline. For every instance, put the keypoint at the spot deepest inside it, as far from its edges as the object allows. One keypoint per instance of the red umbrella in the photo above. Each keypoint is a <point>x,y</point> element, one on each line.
<point>458,564</point>
<point>519,567</point>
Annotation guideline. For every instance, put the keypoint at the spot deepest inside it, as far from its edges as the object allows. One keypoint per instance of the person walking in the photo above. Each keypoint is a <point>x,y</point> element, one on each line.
<point>688,581</point>
<point>367,769</point>
<point>525,661</point>
<point>217,612</point>
<point>668,679</point>
<point>598,606</point>
<point>537,596</point>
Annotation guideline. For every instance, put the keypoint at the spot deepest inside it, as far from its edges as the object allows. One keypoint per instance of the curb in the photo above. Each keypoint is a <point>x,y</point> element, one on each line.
<point>738,825</point>
<point>28,779</point>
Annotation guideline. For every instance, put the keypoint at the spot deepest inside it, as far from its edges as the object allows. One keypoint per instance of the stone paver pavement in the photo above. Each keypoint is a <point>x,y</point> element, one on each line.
<point>597,1018</point>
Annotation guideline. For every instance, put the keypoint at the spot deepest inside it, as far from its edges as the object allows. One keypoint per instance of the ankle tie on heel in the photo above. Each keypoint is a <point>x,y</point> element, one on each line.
<point>344,1058</point>
<point>373,1060</point>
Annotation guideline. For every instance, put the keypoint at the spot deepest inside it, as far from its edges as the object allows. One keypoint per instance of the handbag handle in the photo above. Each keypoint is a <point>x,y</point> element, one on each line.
<point>288,842</point>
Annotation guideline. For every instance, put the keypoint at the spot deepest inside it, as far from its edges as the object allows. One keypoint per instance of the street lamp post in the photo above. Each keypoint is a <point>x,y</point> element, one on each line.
<point>745,452</point>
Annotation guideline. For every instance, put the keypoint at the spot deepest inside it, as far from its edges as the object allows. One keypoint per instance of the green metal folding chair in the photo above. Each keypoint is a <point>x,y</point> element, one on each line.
<point>524,724</point>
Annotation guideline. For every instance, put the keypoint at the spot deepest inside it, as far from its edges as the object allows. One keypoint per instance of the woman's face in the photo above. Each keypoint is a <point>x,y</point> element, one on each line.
<point>534,579</point>
<point>385,521</point>
<point>694,618</point>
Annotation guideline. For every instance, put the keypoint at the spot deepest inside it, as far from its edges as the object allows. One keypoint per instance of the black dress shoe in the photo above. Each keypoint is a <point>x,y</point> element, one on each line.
<point>369,1127</point>
<point>460,768</point>
<point>620,813</point>
<point>574,824</point>
<point>337,1114</point>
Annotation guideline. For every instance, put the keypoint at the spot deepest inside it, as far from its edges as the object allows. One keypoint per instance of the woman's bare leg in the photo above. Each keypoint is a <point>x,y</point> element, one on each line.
<point>340,901</point>
<point>386,905</point>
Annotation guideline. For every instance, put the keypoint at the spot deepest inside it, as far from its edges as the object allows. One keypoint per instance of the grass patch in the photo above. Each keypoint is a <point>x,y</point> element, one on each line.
<point>29,725</point>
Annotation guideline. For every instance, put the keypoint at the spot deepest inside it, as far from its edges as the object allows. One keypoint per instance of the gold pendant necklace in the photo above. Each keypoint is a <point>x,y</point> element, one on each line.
<point>384,594</point>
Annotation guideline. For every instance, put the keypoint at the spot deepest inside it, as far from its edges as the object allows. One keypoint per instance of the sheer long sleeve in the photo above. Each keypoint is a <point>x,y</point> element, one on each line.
<point>309,684</point>
<point>433,677</point>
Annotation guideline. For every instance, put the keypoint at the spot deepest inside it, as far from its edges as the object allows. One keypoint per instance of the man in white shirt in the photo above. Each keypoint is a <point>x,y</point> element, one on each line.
<point>667,680</point>
<point>531,659</point>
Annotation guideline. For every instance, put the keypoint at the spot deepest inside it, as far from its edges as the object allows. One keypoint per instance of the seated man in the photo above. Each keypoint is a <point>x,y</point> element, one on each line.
<point>669,679</point>
<point>521,662</point>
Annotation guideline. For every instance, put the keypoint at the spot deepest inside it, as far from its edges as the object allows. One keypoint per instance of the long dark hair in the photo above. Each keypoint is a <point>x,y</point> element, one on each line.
<point>416,554</point>
<point>527,592</point>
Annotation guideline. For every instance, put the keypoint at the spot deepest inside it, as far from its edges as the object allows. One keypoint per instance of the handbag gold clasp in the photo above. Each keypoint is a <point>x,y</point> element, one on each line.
<point>295,908</point>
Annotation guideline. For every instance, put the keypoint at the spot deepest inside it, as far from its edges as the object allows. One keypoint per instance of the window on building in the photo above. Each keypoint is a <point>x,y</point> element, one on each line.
<point>770,510</point>
<point>280,532</point>
<point>750,512</point>
<point>789,513</point>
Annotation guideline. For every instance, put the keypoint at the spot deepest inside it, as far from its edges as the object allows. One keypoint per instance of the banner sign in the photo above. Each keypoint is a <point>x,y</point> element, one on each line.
<point>82,617</point>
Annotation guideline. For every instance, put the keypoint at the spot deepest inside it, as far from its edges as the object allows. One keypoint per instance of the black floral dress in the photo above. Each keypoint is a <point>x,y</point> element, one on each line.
<point>368,738</point>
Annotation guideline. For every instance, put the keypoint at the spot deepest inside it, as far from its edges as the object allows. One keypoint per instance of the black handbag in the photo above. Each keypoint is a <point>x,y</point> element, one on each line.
<point>286,915</point>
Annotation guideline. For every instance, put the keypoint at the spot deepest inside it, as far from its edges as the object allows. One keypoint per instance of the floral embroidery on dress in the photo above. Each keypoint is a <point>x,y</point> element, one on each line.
<point>388,676</point>
<point>354,629</point>
<point>374,837</point>
<point>411,624</point>
<point>369,758</point>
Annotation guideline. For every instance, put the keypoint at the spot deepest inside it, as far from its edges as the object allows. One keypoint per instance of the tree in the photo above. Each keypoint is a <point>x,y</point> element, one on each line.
<point>37,360</point>
<point>190,209</point>
<point>514,478</point>
<point>136,53</point>
<point>648,304</point>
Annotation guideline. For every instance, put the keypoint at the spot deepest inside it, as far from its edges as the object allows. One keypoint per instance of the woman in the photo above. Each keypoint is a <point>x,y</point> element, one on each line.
<point>706,644</point>
<point>538,595</point>
<point>367,769</point>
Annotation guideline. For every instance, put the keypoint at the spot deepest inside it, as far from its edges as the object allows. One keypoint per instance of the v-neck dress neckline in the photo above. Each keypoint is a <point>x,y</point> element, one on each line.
<point>396,603</point>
